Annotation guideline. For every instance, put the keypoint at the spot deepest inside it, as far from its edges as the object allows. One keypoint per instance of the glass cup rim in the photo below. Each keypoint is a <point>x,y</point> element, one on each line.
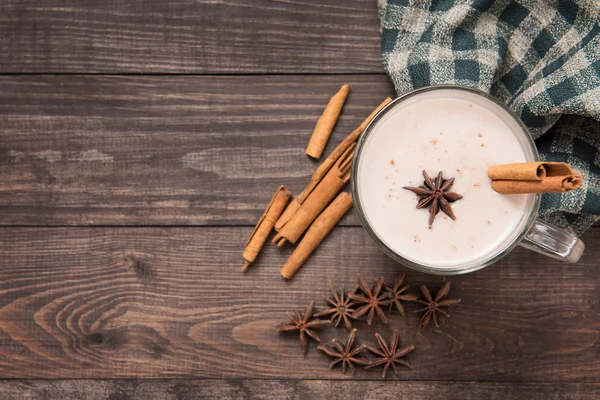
<point>532,212</point>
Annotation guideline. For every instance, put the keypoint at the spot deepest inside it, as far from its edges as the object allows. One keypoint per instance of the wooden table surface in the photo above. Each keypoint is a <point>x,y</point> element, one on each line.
<point>139,143</point>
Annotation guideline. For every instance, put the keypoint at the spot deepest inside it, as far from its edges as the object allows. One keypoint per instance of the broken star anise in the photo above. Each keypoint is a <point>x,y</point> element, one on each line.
<point>389,355</point>
<point>436,196</point>
<point>395,294</point>
<point>434,304</point>
<point>344,353</point>
<point>370,299</point>
<point>301,323</point>
<point>341,307</point>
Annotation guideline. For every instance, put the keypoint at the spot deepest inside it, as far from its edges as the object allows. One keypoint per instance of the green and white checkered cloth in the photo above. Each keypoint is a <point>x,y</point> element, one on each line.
<point>542,58</point>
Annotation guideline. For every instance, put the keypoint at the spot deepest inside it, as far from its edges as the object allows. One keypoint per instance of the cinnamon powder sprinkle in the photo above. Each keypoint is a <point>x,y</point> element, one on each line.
<point>480,135</point>
<point>482,144</point>
<point>392,162</point>
<point>434,141</point>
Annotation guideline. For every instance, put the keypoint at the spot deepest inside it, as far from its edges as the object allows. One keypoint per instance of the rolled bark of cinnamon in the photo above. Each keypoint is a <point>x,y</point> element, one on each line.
<point>531,171</point>
<point>265,225</point>
<point>552,184</point>
<point>319,229</point>
<point>534,177</point>
<point>322,170</point>
<point>287,214</point>
<point>337,152</point>
<point>326,123</point>
<point>316,202</point>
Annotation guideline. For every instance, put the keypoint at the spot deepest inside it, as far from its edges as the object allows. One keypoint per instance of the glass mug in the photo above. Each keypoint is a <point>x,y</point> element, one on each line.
<point>530,232</point>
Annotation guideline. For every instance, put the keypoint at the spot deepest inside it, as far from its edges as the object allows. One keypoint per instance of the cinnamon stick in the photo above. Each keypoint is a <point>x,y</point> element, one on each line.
<point>326,123</point>
<point>265,225</point>
<point>531,171</point>
<point>289,211</point>
<point>316,202</point>
<point>323,170</point>
<point>337,152</point>
<point>534,177</point>
<point>552,184</point>
<point>319,229</point>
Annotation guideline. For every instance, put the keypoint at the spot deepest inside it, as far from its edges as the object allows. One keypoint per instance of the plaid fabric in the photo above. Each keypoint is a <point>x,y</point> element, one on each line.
<point>542,58</point>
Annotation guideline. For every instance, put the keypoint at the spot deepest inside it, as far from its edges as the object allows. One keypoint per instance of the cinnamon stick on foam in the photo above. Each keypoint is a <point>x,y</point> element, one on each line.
<point>554,184</point>
<point>531,171</point>
<point>318,199</point>
<point>319,229</point>
<point>534,177</point>
<point>326,123</point>
<point>265,225</point>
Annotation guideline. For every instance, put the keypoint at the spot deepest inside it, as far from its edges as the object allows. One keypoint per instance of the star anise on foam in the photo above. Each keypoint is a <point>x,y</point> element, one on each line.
<point>434,304</point>
<point>395,294</point>
<point>436,196</point>
<point>303,324</point>
<point>345,353</point>
<point>389,355</point>
<point>341,307</point>
<point>370,299</point>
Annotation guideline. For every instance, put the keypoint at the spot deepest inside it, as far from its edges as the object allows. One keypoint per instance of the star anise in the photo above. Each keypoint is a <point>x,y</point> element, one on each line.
<point>395,294</point>
<point>434,304</point>
<point>389,355</point>
<point>341,307</point>
<point>436,196</point>
<point>344,353</point>
<point>301,323</point>
<point>372,300</point>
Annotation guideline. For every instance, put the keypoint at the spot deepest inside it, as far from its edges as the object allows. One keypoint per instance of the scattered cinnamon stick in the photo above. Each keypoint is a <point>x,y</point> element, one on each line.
<point>265,225</point>
<point>319,198</point>
<point>337,152</point>
<point>319,229</point>
<point>289,211</point>
<point>326,123</point>
<point>322,170</point>
<point>534,177</point>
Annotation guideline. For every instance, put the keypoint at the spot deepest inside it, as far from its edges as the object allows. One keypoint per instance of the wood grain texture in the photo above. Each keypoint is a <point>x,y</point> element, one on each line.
<point>292,390</point>
<point>172,302</point>
<point>114,150</point>
<point>189,36</point>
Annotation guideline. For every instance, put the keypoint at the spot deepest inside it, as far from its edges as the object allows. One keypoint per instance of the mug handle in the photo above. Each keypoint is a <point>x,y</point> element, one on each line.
<point>554,242</point>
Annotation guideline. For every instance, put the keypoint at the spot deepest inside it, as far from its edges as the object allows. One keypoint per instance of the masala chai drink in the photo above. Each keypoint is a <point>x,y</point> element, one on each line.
<point>461,133</point>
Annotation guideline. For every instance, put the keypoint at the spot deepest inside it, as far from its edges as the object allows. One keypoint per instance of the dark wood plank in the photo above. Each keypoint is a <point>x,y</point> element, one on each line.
<point>172,302</point>
<point>291,389</point>
<point>189,36</point>
<point>162,150</point>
